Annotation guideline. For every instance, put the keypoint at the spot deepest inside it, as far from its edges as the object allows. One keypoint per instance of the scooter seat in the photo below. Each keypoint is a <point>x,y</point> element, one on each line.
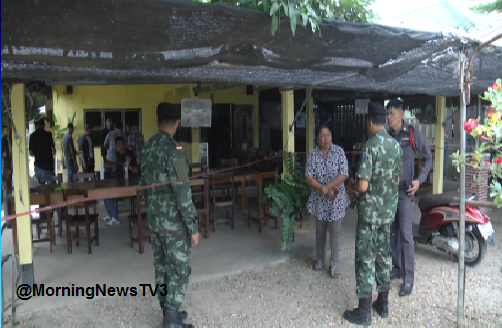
<point>427,202</point>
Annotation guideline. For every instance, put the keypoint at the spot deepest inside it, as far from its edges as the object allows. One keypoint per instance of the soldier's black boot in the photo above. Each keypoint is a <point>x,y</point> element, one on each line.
<point>182,315</point>
<point>360,315</point>
<point>381,305</point>
<point>173,319</point>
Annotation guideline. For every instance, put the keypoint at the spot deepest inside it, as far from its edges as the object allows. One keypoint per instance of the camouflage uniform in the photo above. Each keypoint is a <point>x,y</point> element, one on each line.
<point>172,217</point>
<point>380,165</point>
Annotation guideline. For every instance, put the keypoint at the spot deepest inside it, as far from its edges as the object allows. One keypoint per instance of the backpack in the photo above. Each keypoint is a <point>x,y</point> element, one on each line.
<point>412,140</point>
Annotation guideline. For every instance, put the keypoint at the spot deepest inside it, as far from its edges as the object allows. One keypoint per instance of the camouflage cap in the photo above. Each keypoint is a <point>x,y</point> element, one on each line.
<point>168,112</point>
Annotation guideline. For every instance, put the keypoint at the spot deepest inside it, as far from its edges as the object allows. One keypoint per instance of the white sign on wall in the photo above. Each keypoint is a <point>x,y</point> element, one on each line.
<point>196,112</point>
<point>361,106</point>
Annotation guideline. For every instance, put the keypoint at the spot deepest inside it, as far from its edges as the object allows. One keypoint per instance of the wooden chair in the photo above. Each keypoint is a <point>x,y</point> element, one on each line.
<point>38,219</point>
<point>202,206</point>
<point>226,163</point>
<point>253,203</point>
<point>223,183</point>
<point>78,221</point>
<point>140,220</point>
<point>79,177</point>
<point>193,166</point>
<point>57,179</point>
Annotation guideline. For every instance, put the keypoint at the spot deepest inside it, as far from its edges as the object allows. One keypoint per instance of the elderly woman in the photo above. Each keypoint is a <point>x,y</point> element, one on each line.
<point>326,172</point>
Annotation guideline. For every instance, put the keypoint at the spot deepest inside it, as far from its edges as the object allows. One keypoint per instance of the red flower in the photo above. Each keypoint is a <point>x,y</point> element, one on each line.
<point>470,125</point>
<point>488,163</point>
<point>495,86</point>
<point>498,161</point>
<point>483,138</point>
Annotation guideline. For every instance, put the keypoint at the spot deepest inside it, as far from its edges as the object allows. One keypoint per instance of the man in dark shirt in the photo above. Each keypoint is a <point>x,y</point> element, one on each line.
<point>86,150</point>
<point>109,127</point>
<point>124,157</point>
<point>42,147</point>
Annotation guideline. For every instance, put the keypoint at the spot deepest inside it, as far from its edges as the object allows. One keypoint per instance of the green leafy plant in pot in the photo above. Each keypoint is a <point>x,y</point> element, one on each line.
<point>289,198</point>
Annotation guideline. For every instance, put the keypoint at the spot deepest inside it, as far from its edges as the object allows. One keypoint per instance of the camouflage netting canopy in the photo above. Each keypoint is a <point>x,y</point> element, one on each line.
<point>168,41</point>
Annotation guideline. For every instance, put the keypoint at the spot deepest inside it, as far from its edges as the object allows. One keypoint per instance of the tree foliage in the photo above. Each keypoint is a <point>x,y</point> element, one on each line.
<point>289,197</point>
<point>308,12</point>
<point>495,6</point>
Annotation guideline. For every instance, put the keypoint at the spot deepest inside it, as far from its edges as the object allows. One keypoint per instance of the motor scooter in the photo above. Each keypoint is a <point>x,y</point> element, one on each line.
<point>439,227</point>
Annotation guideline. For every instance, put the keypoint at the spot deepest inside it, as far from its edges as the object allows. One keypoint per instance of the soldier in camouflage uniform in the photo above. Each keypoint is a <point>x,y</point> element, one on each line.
<point>377,183</point>
<point>172,217</point>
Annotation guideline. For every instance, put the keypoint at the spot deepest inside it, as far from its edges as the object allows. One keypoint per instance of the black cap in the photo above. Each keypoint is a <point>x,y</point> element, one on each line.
<point>376,109</point>
<point>39,120</point>
<point>70,125</point>
<point>168,112</point>
<point>396,103</point>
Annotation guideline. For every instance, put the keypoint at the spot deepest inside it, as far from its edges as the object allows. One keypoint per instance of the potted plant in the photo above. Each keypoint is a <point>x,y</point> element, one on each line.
<point>490,133</point>
<point>289,198</point>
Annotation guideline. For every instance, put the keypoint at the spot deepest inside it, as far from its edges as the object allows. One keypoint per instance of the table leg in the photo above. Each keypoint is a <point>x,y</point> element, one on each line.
<point>15,244</point>
<point>243,194</point>
<point>259,184</point>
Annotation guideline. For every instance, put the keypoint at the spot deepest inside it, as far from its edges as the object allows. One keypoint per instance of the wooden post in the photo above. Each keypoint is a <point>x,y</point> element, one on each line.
<point>21,184</point>
<point>437,185</point>
<point>310,123</point>
<point>288,114</point>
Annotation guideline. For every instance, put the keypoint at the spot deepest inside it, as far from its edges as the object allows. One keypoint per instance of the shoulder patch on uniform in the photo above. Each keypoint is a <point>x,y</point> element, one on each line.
<point>179,147</point>
<point>363,154</point>
<point>180,167</point>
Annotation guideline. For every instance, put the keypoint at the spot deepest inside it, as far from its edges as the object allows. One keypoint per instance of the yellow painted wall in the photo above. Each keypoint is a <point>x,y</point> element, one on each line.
<point>146,97</point>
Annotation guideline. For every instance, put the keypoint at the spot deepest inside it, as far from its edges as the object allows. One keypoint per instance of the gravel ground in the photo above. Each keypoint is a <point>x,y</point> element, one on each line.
<point>292,295</point>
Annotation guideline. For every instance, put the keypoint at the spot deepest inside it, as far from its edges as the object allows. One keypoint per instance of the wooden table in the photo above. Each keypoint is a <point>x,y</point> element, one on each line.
<point>109,188</point>
<point>243,175</point>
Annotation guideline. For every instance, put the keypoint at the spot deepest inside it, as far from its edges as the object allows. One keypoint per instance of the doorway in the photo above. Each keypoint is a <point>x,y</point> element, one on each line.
<point>219,135</point>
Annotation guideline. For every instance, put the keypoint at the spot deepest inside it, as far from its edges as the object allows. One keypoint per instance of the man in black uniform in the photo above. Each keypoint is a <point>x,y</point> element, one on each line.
<point>403,246</point>
<point>42,147</point>
<point>86,150</point>
<point>108,128</point>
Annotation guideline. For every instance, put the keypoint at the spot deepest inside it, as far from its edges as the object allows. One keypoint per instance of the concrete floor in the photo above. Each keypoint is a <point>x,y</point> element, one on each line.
<point>116,264</point>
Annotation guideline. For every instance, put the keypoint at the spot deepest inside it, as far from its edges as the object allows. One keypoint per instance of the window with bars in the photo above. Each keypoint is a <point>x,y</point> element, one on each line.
<point>96,119</point>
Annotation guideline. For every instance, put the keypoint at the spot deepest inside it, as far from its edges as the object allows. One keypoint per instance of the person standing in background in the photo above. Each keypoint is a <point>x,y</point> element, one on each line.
<point>326,171</point>
<point>377,183</point>
<point>111,155</point>
<point>86,150</point>
<point>70,154</point>
<point>108,128</point>
<point>403,245</point>
<point>136,141</point>
<point>43,149</point>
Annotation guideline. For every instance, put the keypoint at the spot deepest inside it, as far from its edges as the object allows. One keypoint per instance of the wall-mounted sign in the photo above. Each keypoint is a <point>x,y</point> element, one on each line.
<point>196,112</point>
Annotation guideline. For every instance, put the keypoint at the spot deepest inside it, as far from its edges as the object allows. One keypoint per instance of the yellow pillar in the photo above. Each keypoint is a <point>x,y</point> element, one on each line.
<point>288,114</point>
<point>256,118</point>
<point>437,185</point>
<point>21,183</point>
<point>195,137</point>
<point>310,123</point>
